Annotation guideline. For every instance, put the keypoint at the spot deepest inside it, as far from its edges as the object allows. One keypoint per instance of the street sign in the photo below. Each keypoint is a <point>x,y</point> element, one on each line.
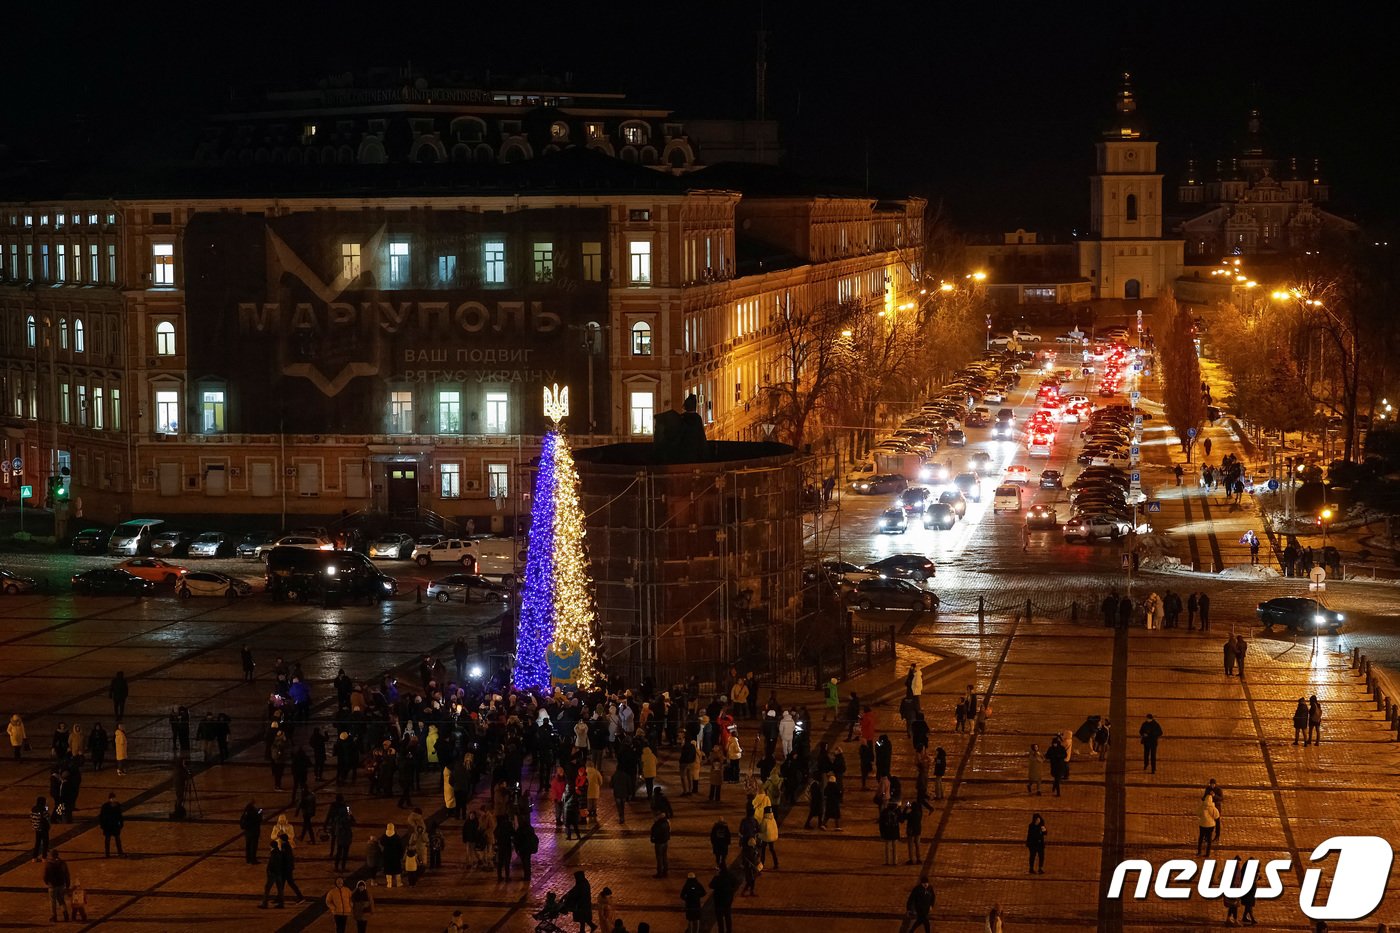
<point>1317,575</point>
<point>1273,485</point>
<point>1134,451</point>
<point>1135,396</point>
<point>1190,432</point>
<point>17,465</point>
<point>1154,505</point>
<point>1123,561</point>
<point>1135,477</point>
<point>26,492</point>
<point>1137,421</point>
<point>1137,367</point>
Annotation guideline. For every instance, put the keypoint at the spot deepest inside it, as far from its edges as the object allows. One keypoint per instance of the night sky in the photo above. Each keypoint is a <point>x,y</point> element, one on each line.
<point>990,108</point>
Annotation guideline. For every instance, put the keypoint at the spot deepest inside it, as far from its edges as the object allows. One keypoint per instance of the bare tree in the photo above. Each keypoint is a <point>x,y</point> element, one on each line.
<point>1183,399</point>
<point>809,348</point>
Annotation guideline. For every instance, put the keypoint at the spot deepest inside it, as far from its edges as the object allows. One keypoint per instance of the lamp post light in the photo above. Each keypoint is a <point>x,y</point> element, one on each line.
<point>1325,517</point>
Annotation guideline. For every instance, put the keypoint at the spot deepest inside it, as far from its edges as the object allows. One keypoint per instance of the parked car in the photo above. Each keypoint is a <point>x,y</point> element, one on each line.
<point>211,544</point>
<point>915,567</point>
<point>305,542</point>
<point>91,541</point>
<point>211,583</point>
<point>110,581</point>
<point>882,593</point>
<point>172,543</point>
<point>1299,613</point>
<point>892,522</point>
<point>153,569</point>
<point>839,572</point>
<point>1098,525</point>
<point>957,438</point>
<point>134,537</point>
<point>253,544</point>
<point>392,546</point>
<point>303,574</point>
<point>880,483</point>
<point>465,587</point>
<point>446,551</point>
<point>940,516</point>
<point>12,584</point>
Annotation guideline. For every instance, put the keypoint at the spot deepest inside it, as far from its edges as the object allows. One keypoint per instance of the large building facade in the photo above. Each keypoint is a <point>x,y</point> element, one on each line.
<point>315,353</point>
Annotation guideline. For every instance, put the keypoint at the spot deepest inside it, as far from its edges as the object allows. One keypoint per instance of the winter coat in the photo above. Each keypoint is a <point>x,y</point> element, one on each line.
<point>916,687</point>
<point>16,731</point>
<point>392,847</point>
<point>787,729</point>
<point>648,763</point>
<point>1300,715</point>
<point>769,829</point>
<point>1207,812</point>
<point>1035,836</point>
<point>1034,767</point>
<point>284,827</point>
<point>120,743</point>
<point>338,901</point>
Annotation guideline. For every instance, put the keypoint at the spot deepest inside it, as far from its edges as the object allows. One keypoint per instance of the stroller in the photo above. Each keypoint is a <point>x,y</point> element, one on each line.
<point>546,915</point>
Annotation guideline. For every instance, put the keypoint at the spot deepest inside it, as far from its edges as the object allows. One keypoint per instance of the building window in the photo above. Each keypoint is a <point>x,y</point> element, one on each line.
<point>165,339</point>
<point>63,333</point>
<point>450,480</point>
<point>64,407</point>
<point>398,263</point>
<point>349,261</point>
<point>92,220</point>
<point>62,261</point>
<point>638,214</point>
<point>643,412</point>
<point>212,412</point>
<point>639,261</point>
<point>168,412</point>
<point>111,220</point>
<point>43,262</point>
<point>497,413</point>
<point>498,480</point>
<point>493,258</point>
<point>449,412</point>
<point>116,409</point>
<point>82,406</point>
<point>1130,207</point>
<point>163,263</point>
<point>99,420</point>
<point>31,332</point>
<point>634,134</point>
<point>29,220</point>
<point>401,412</point>
<point>590,130</point>
<point>62,219</point>
<point>593,262</point>
<point>543,262</point>
<point>29,261</point>
<point>641,339</point>
<point>14,260</point>
<point>447,270</point>
<point>111,263</point>
<point>79,340</point>
<point>78,263</point>
<point>94,273</point>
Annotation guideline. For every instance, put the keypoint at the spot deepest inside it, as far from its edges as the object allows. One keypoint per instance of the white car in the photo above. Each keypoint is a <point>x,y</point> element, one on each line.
<point>1115,458</point>
<point>302,541</point>
<point>391,546</point>
<point>211,583</point>
<point>993,395</point>
<point>465,587</point>
<point>446,551</point>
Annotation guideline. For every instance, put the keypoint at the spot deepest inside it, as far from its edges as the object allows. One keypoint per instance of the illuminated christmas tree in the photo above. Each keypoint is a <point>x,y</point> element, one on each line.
<point>555,640</point>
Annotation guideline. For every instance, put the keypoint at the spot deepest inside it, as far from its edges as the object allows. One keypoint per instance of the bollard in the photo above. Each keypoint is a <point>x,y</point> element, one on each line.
<point>1074,611</point>
<point>981,614</point>
<point>418,593</point>
<point>1028,610</point>
<point>1355,657</point>
<point>1377,696</point>
<point>1391,712</point>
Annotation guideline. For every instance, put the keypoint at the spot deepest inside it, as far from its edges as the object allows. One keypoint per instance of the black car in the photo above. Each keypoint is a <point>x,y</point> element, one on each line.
<point>883,593</point>
<point>300,574</point>
<point>880,483</point>
<point>915,567</point>
<point>91,541</point>
<point>915,498</point>
<point>940,515</point>
<point>954,500</point>
<point>109,581</point>
<point>970,485</point>
<point>248,548</point>
<point>1299,613</point>
<point>1051,479</point>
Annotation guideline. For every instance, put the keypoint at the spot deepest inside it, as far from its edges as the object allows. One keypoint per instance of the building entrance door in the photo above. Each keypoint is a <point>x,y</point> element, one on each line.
<point>403,486</point>
<point>1132,289</point>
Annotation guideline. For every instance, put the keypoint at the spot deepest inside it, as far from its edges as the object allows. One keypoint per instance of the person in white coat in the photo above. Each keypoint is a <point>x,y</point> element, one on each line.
<point>916,686</point>
<point>787,731</point>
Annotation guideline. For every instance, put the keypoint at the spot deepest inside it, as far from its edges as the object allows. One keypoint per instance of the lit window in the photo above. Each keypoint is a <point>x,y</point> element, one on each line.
<point>29,220</point>
<point>29,261</point>
<point>64,406</point>
<point>493,258</point>
<point>116,409</point>
<point>543,262</point>
<point>350,261</point>
<point>94,274</point>
<point>82,406</point>
<point>641,339</point>
<point>559,132</point>
<point>44,261</point>
<point>639,258</point>
<point>212,412</point>
<point>497,413</point>
<point>99,421</point>
<point>61,219</point>
<point>78,263</point>
<point>111,263</point>
<point>92,220</point>
<point>398,263</point>
<point>63,333</point>
<point>634,133</point>
<point>591,130</point>
<point>450,480</point>
<point>43,220</point>
<point>62,261</point>
<point>498,480</point>
<point>449,412</point>
<point>111,219</point>
<point>643,412</point>
<point>14,260</point>
<point>447,270</point>
<point>163,263</point>
<point>401,412</point>
<point>168,412</point>
<point>165,339</point>
<point>593,262</point>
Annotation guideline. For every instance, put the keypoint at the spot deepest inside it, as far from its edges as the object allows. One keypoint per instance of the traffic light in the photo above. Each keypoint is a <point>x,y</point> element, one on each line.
<point>58,490</point>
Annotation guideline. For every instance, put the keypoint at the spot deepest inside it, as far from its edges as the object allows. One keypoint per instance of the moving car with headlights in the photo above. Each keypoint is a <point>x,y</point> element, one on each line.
<point>211,544</point>
<point>1299,613</point>
<point>954,500</point>
<point>110,581</point>
<point>915,498</point>
<point>883,593</point>
<point>880,483</point>
<point>12,584</point>
<point>465,587</point>
<point>969,485</point>
<point>91,541</point>
<point>1005,426</point>
<point>1042,516</point>
<point>892,522</point>
<point>134,537</point>
<point>956,438</point>
<point>172,543</point>
<point>304,542</point>
<point>1098,525</point>
<point>982,463</point>
<point>211,583</point>
<point>153,569</point>
<point>392,546</point>
<point>940,516</point>
<point>302,574</point>
<point>1007,498</point>
<point>914,567</point>
<point>254,543</point>
<point>1052,479</point>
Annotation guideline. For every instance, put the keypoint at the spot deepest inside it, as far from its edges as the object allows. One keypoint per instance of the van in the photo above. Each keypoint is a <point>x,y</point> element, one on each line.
<point>499,558</point>
<point>300,575</point>
<point>1007,498</point>
<point>132,538</point>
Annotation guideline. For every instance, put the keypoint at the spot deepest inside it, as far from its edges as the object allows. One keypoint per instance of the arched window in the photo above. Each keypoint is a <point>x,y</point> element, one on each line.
<point>641,339</point>
<point>79,343</point>
<point>165,339</point>
<point>31,332</point>
<point>63,333</point>
<point>1130,206</point>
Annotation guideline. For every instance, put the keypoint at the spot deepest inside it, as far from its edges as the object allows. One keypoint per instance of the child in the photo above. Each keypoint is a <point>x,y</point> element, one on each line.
<point>436,843</point>
<point>77,901</point>
<point>410,865</point>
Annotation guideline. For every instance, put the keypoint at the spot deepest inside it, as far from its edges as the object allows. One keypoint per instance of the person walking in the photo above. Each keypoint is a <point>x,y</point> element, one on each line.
<point>607,913</point>
<point>361,906</point>
<point>121,745</point>
<point>768,837</point>
<point>1300,720</point>
<point>274,877</point>
<point>118,690</point>
<point>1193,604</point>
<point>940,768</point>
<point>579,902</point>
<point>1206,816</point>
<point>1217,794</point>
<point>289,861</point>
<point>40,821</point>
<point>250,822</point>
<point>17,735</point>
<point>1229,658</point>
<point>1103,737</point>
<point>720,838</point>
<point>888,823</point>
<point>749,861</point>
<point>246,655</point>
<point>1314,721</point>
<point>392,847</point>
<point>660,841</point>
<point>1203,604</point>
<point>693,896</point>
<point>624,788</point>
<point>1035,843</point>
<point>1150,733</point>
<point>833,698</point>
<point>831,804</point>
<point>526,843</point>
<point>1058,758</point>
<point>111,821</point>
<point>97,745</point>
<point>339,903</point>
<point>723,888</point>
<point>57,879</point>
<point>1241,649</point>
<point>1035,766</point>
<point>918,906</point>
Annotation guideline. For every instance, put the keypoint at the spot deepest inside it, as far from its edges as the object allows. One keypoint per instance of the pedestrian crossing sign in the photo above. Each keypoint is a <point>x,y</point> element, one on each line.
<point>1154,505</point>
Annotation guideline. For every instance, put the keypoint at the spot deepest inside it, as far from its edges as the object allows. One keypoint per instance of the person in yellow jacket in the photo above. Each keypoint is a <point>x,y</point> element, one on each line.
<point>768,832</point>
<point>338,903</point>
<point>1207,813</point>
<point>120,743</point>
<point>739,696</point>
<point>17,734</point>
<point>648,762</point>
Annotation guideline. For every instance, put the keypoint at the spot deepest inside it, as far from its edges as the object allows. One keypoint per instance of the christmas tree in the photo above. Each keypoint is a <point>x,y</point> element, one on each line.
<point>555,639</point>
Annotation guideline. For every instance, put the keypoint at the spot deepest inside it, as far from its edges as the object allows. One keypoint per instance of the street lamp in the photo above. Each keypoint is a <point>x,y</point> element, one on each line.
<point>1325,517</point>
